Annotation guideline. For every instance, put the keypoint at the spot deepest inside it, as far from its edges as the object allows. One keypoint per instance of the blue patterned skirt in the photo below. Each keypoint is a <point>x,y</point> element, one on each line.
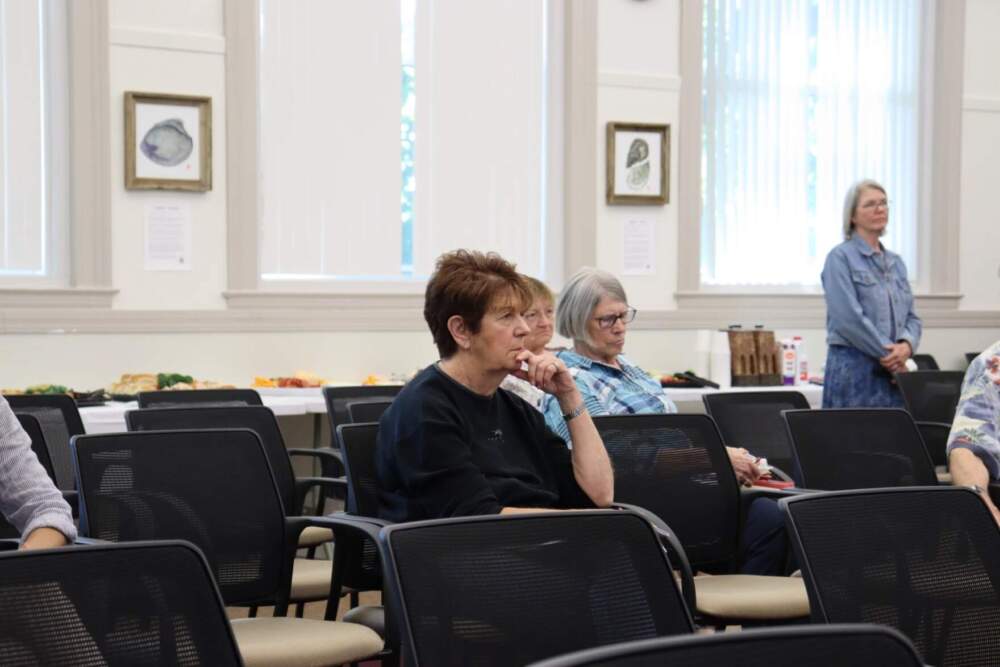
<point>854,380</point>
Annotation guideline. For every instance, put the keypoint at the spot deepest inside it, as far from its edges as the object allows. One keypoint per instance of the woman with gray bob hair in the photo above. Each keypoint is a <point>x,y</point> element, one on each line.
<point>579,298</point>
<point>871,327</point>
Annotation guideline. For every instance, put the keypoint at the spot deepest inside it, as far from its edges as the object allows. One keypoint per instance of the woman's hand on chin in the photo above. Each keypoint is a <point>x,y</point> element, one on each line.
<point>545,371</point>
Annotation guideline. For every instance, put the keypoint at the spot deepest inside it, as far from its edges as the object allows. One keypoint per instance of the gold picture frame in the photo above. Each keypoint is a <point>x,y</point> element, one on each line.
<point>168,142</point>
<point>638,163</point>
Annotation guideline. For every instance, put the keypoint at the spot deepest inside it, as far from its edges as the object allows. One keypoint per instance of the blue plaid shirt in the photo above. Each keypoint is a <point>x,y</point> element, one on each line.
<point>607,390</point>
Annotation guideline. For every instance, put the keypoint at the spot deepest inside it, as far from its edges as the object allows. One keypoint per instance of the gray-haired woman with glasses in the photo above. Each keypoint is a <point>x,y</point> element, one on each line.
<point>870,323</point>
<point>593,312</point>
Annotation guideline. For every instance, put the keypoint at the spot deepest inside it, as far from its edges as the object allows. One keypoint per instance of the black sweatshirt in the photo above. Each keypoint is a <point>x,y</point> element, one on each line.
<point>444,450</point>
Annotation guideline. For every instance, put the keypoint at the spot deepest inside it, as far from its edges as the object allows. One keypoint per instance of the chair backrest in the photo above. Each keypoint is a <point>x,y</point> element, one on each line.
<point>752,420</point>
<point>337,399</point>
<point>923,560</point>
<point>212,488</point>
<point>258,419</point>
<point>357,444</point>
<point>859,448</point>
<point>971,356</point>
<point>39,446</point>
<point>496,590</point>
<point>677,467</point>
<point>149,603</point>
<point>199,397</point>
<point>931,396</point>
<point>367,410</point>
<point>926,362</point>
<point>60,420</point>
<point>815,645</point>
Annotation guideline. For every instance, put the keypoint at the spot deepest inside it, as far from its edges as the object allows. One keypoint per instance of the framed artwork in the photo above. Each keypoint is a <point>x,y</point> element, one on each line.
<point>638,167</point>
<point>168,142</point>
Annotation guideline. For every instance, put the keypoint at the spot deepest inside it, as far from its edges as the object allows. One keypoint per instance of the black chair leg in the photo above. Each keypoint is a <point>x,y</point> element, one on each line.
<point>355,599</point>
<point>252,613</point>
<point>300,609</point>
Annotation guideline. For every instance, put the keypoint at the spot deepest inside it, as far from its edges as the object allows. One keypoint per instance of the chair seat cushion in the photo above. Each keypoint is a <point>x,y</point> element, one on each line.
<point>295,642</point>
<point>314,536</point>
<point>751,597</point>
<point>311,579</point>
<point>370,616</point>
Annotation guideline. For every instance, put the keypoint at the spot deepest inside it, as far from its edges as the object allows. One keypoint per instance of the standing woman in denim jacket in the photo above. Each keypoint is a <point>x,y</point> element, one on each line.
<point>871,327</point>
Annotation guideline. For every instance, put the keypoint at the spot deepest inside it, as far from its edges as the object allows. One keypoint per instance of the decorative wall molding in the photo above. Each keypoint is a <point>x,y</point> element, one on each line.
<point>404,314</point>
<point>97,298</point>
<point>168,41</point>
<point>988,104</point>
<point>616,79</point>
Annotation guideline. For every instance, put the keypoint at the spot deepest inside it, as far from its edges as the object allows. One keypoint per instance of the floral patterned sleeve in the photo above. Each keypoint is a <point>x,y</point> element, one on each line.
<point>975,427</point>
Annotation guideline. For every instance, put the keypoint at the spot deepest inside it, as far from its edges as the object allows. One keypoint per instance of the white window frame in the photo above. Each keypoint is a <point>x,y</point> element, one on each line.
<point>939,240</point>
<point>89,236</point>
<point>394,298</point>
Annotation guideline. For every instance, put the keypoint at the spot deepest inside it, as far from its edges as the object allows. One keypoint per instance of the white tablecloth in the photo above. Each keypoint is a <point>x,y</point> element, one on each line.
<point>110,418</point>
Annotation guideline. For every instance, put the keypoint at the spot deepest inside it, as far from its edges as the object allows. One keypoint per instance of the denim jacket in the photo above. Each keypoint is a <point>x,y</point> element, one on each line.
<point>869,303</point>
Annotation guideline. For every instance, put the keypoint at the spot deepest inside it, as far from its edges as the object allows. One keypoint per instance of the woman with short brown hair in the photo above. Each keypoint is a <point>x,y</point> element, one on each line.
<point>453,443</point>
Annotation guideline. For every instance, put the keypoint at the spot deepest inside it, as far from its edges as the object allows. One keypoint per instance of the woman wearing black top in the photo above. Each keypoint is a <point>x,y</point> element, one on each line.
<point>453,443</point>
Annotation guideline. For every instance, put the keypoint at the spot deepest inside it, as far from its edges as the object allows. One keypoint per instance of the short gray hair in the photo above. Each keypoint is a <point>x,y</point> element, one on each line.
<point>851,202</point>
<point>580,296</point>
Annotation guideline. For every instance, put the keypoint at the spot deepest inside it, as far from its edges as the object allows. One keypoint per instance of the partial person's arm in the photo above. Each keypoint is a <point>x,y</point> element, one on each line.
<point>973,448</point>
<point>844,310</point>
<point>28,498</point>
<point>914,327</point>
<point>967,469</point>
<point>591,465</point>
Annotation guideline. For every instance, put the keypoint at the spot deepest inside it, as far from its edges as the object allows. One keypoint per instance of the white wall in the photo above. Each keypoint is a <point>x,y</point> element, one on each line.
<point>167,46</point>
<point>177,46</point>
<point>980,241</point>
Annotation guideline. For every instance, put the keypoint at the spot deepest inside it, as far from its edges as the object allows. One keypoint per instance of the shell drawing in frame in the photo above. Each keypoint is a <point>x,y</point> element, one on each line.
<point>167,143</point>
<point>637,164</point>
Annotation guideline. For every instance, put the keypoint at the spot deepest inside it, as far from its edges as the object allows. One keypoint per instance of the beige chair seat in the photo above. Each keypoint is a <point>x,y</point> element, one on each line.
<point>370,616</point>
<point>314,536</point>
<point>751,597</point>
<point>300,642</point>
<point>311,579</point>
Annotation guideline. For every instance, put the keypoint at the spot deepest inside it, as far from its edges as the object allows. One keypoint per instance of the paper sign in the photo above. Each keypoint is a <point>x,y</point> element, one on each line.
<point>639,247</point>
<point>168,237</point>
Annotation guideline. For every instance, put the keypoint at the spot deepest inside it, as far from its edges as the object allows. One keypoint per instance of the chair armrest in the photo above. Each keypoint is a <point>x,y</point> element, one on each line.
<point>672,544</point>
<point>945,425</point>
<point>330,460</point>
<point>781,474</point>
<point>333,487</point>
<point>749,494</point>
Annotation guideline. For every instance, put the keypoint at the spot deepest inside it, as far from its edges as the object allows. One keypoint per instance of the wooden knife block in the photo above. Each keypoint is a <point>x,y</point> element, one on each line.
<point>755,358</point>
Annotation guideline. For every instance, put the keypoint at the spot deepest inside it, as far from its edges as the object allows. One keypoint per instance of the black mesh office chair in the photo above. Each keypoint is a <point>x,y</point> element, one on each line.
<point>923,560</point>
<point>676,467</point>
<point>310,578</point>
<point>508,590</point>
<point>215,489</point>
<point>147,603</point>
<point>337,399</point>
<point>202,397</point>
<point>816,646</point>
<point>60,420</point>
<point>859,448</point>
<point>367,410</point>
<point>931,397</point>
<point>752,420</point>
<point>925,362</point>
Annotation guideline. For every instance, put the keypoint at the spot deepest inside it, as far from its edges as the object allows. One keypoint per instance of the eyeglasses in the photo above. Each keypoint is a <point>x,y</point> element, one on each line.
<point>608,321</point>
<point>881,203</point>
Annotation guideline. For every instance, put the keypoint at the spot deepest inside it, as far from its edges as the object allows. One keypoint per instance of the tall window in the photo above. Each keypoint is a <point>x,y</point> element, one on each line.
<point>801,98</point>
<point>394,130</point>
<point>33,143</point>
